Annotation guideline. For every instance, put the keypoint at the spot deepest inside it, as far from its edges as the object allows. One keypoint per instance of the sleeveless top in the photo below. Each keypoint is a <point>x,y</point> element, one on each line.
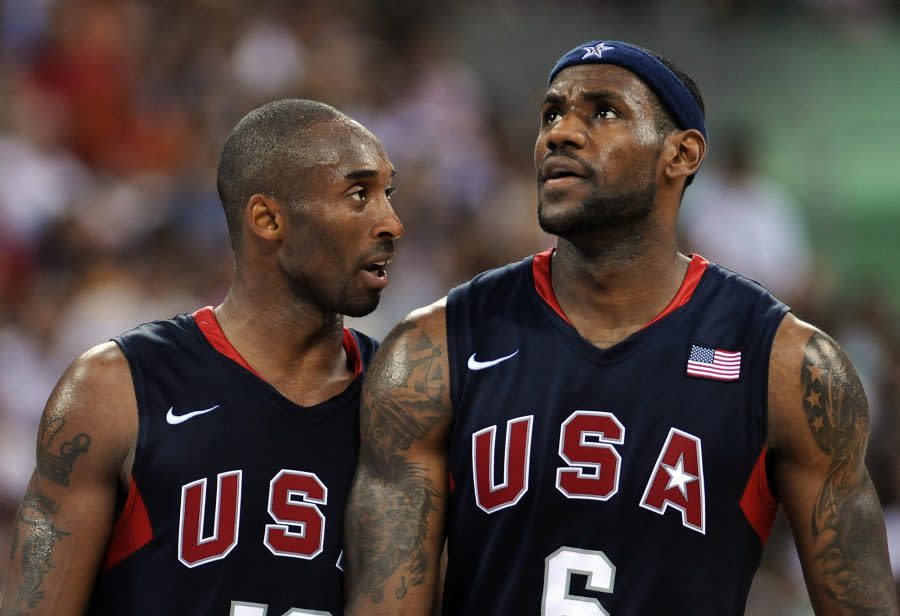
<point>628,480</point>
<point>236,504</point>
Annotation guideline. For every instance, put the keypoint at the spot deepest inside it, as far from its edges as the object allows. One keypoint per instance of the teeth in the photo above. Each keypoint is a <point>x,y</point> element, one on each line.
<point>379,268</point>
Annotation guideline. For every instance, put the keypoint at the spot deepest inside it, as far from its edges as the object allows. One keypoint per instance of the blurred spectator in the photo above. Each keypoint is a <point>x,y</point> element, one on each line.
<point>39,176</point>
<point>742,220</point>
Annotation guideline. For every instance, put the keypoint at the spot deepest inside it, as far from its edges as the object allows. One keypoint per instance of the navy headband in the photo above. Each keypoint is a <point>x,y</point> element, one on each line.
<point>674,95</point>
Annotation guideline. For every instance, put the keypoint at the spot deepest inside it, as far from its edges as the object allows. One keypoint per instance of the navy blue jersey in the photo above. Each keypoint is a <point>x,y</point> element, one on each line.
<point>237,500</point>
<point>622,481</point>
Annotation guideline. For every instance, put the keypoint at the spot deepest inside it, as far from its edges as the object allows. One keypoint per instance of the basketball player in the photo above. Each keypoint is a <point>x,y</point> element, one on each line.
<point>618,421</point>
<point>200,465</point>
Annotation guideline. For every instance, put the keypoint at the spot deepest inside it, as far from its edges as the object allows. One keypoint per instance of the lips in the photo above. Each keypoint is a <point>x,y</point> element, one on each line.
<point>379,268</point>
<point>557,168</point>
<point>375,267</point>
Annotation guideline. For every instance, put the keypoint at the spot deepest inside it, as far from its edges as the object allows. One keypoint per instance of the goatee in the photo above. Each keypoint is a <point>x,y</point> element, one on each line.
<point>598,213</point>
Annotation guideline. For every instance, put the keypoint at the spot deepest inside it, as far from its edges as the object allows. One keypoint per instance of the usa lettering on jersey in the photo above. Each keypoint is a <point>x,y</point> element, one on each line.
<point>587,445</point>
<point>293,504</point>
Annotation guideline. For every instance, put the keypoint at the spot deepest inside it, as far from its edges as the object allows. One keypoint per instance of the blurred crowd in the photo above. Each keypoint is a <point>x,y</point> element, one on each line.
<point>112,115</point>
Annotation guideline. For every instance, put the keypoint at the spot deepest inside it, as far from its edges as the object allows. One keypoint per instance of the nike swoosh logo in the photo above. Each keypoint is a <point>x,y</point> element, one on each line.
<point>474,364</point>
<point>173,419</point>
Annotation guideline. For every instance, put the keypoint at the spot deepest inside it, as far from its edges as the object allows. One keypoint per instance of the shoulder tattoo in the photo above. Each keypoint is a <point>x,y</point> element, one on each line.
<point>57,465</point>
<point>846,508</point>
<point>405,401</point>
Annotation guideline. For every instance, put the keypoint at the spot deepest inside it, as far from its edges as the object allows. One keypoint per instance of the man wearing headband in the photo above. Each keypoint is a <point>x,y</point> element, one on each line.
<point>609,426</point>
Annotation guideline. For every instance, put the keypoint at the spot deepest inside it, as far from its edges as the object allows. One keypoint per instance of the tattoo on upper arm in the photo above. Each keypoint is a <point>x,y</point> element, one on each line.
<point>846,509</point>
<point>58,466</point>
<point>14,541</point>
<point>403,403</point>
<point>35,519</point>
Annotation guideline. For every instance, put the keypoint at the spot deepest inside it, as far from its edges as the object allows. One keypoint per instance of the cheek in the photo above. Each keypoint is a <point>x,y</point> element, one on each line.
<point>617,159</point>
<point>539,151</point>
<point>336,248</point>
<point>646,134</point>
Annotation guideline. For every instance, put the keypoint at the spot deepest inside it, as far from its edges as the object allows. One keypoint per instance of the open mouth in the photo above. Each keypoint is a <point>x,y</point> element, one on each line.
<point>379,268</point>
<point>561,173</point>
<point>560,168</point>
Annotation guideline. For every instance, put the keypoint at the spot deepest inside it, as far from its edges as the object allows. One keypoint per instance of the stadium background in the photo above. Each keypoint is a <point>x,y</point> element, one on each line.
<point>112,114</point>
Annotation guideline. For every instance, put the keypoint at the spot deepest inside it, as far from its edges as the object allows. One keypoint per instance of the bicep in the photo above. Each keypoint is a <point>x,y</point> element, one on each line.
<point>396,510</point>
<point>818,431</point>
<point>63,523</point>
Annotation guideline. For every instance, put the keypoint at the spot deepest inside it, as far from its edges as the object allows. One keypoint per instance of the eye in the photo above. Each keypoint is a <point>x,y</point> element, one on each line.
<point>389,192</point>
<point>605,113</point>
<point>358,193</point>
<point>550,115</point>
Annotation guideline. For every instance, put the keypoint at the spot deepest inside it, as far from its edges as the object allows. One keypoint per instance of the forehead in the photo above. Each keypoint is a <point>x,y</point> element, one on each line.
<point>583,80</point>
<point>343,146</point>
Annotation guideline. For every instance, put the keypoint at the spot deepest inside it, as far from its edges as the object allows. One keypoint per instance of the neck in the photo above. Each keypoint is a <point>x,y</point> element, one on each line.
<point>284,339</point>
<point>609,288</point>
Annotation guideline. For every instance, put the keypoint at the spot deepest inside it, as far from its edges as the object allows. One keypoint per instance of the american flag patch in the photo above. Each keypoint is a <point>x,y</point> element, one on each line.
<point>716,364</point>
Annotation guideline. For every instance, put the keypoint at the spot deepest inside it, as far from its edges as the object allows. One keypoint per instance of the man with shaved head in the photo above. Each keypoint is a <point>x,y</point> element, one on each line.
<point>200,465</point>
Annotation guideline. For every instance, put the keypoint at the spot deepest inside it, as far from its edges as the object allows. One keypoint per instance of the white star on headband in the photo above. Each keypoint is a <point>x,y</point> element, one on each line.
<point>596,51</point>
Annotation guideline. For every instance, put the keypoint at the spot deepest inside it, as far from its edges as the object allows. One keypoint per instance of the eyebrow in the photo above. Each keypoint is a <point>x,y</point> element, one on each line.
<point>363,174</point>
<point>594,96</point>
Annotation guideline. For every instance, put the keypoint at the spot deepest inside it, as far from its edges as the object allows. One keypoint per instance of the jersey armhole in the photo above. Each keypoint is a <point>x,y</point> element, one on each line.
<point>132,529</point>
<point>757,502</point>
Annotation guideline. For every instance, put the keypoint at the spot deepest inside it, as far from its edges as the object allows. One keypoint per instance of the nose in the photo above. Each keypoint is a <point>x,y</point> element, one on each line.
<point>569,130</point>
<point>387,225</point>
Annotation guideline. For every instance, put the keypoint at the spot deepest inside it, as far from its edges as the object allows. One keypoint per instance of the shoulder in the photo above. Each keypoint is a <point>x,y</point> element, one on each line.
<point>94,402</point>
<point>161,332</point>
<point>802,351</point>
<point>98,373</point>
<point>428,322</point>
<point>411,363</point>
<point>740,286</point>
<point>814,390</point>
<point>510,274</point>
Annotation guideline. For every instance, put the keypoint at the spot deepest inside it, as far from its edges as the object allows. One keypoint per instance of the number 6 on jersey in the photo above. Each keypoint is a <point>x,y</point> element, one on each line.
<point>239,608</point>
<point>558,570</point>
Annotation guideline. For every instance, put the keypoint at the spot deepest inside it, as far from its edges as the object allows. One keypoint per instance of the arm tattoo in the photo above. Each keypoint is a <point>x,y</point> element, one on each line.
<point>58,466</point>
<point>35,518</point>
<point>846,508</point>
<point>403,403</point>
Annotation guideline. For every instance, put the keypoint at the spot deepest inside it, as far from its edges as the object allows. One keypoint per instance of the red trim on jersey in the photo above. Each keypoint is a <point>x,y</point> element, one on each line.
<point>354,355</point>
<point>757,503</point>
<point>695,271</point>
<point>452,483</point>
<point>209,325</point>
<point>132,530</point>
<point>540,268</point>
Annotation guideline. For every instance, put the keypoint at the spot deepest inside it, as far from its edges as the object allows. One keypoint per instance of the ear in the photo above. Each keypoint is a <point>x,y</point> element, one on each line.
<point>265,216</point>
<point>689,149</point>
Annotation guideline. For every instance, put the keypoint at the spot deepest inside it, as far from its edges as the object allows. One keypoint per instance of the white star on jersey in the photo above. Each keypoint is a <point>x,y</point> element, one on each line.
<point>677,476</point>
